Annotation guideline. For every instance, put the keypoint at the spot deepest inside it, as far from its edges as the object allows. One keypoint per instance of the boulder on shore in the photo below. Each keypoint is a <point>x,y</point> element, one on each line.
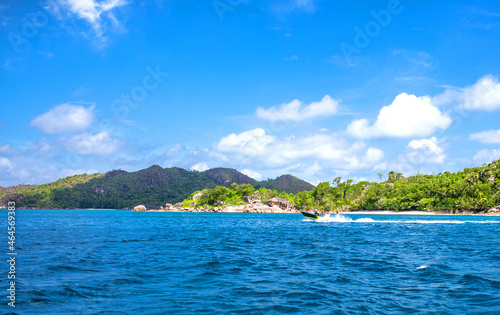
<point>140,208</point>
<point>281,203</point>
<point>252,199</point>
<point>219,203</point>
<point>494,211</point>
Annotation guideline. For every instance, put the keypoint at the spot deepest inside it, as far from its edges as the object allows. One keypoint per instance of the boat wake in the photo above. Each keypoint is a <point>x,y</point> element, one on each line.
<point>343,219</point>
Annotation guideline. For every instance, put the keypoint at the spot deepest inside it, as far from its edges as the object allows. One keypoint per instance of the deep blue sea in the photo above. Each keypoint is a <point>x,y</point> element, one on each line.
<point>122,262</point>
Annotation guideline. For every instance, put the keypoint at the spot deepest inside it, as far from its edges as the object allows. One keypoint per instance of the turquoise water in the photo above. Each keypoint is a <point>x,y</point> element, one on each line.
<point>120,262</point>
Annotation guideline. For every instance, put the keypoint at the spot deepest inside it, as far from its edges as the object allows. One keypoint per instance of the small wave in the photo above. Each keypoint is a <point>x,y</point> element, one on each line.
<point>58,268</point>
<point>422,267</point>
<point>126,281</point>
<point>69,292</point>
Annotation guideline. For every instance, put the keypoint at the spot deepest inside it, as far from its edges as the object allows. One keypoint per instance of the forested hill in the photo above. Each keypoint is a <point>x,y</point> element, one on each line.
<point>286,183</point>
<point>119,189</point>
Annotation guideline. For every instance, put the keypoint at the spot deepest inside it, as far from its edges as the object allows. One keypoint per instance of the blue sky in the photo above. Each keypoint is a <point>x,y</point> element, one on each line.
<point>317,89</point>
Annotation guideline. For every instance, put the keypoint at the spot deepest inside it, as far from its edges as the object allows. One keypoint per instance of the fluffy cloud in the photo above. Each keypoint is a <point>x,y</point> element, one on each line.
<point>295,111</point>
<point>200,167</point>
<point>251,143</point>
<point>251,174</point>
<point>421,156</point>
<point>483,95</point>
<point>489,136</point>
<point>255,146</point>
<point>65,118</point>
<point>425,151</point>
<point>407,116</point>
<point>99,144</point>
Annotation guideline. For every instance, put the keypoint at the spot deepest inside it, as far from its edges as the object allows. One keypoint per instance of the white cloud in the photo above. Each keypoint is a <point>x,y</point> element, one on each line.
<point>7,149</point>
<point>292,58</point>
<point>200,167</point>
<point>6,163</point>
<point>175,150</point>
<point>65,118</point>
<point>482,95</point>
<point>486,156</point>
<point>251,143</point>
<point>100,144</point>
<point>313,169</point>
<point>407,116</point>
<point>425,151</point>
<point>295,111</point>
<point>419,60</point>
<point>99,14</point>
<point>252,174</point>
<point>372,156</point>
<point>489,136</point>
<point>255,146</point>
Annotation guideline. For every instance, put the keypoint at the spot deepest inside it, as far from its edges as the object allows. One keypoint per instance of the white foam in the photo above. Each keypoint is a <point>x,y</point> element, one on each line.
<point>341,218</point>
<point>422,267</point>
<point>365,220</point>
<point>336,218</point>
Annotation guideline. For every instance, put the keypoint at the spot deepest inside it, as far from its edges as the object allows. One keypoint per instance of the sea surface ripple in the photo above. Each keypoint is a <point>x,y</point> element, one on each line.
<point>120,262</point>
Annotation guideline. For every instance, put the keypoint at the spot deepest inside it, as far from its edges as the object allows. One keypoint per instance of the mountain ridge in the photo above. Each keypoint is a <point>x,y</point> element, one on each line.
<point>119,189</point>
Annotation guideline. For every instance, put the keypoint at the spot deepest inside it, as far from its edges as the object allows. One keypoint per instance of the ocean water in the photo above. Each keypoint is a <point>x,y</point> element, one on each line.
<point>120,262</point>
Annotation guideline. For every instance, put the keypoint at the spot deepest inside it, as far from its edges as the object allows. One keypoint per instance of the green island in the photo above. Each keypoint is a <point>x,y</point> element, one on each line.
<point>473,190</point>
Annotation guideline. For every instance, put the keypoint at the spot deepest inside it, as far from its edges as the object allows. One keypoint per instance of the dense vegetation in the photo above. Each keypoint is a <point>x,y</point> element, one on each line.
<point>233,195</point>
<point>472,190</point>
<point>119,189</point>
<point>41,195</point>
